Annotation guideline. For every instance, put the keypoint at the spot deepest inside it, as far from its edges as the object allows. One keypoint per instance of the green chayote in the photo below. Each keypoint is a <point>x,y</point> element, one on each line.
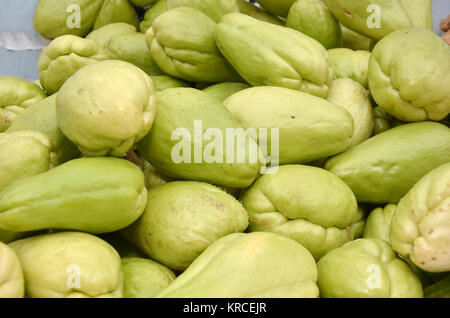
<point>12,283</point>
<point>351,64</point>
<point>378,224</point>
<point>224,90</point>
<point>113,11</point>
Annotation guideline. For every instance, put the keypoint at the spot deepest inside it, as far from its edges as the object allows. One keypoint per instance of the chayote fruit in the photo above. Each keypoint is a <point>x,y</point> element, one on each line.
<point>8,236</point>
<point>385,167</point>
<point>142,3</point>
<point>405,81</point>
<point>63,57</point>
<point>69,265</point>
<point>255,265</point>
<point>182,219</point>
<point>224,90</point>
<point>378,224</point>
<point>440,289</point>
<point>162,82</point>
<point>96,195</point>
<point>313,18</point>
<point>189,140</point>
<point>420,227</point>
<point>353,40</point>
<point>104,34</point>
<point>12,283</point>
<point>277,7</point>
<point>113,11</point>
<point>106,107</point>
<point>182,43</point>
<point>152,13</point>
<point>354,98</point>
<point>24,154</point>
<point>54,18</point>
<point>309,127</point>
<point>366,268</point>
<point>144,278</point>
<point>351,64</point>
<point>16,95</point>
<point>41,117</point>
<point>265,54</point>
<point>307,204</point>
<point>214,9</point>
<point>378,18</point>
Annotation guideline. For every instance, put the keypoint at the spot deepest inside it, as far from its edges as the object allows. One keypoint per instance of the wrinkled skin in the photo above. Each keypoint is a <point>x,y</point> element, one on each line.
<point>104,34</point>
<point>24,154</point>
<point>265,54</point>
<point>353,97</point>
<point>385,167</point>
<point>214,9</point>
<point>349,63</point>
<point>113,11</point>
<point>12,283</point>
<point>151,14</point>
<point>16,95</point>
<point>97,195</point>
<point>420,228</point>
<point>405,81</point>
<point>307,204</point>
<point>63,57</point>
<point>106,107</point>
<point>378,224</point>
<point>41,117</point>
<point>366,268</point>
<point>175,234</point>
<point>69,265</point>
<point>182,44</point>
<point>255,265</point>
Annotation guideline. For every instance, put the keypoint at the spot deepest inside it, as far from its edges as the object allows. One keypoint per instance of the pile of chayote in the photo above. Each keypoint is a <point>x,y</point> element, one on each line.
<point>99,199</point>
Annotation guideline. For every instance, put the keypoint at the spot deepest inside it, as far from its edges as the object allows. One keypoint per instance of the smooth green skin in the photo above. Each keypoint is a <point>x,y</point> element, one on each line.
<point>142,3</point>
<point>133,48</point>
<point>104,34</point>
<point>24,154</point>
<point>366,268</point>
<point>144,278</point>
<point>97,195</point>
<point>254,265</point>
<point>179,108</point>
<point>405,81</point>
<point>353,97</point>
<point>310,128</point>
<point>440,289</point>
<point>63,57</point>
<point>113,11</point>
<point>313,18</point>
<point>352,64</point>
<point>222,91</point>
<point>162,82</point>
<point>151,14</point>
<point>106,107</point>
<point>265,54</point>
<point>48,260</point>
<point>394,15</point>
<point>214,9</point>
<point>257,13</point>
<point>307,204</point>
<point>51,17</point>
<point>182,219</point>
<point>378,224</point>
<point>277,7</point>
<point>16,95</point>
<point>12,283</point>
<point>420,227</point>
<point>182,43</point>
<point>353,40</point>
<point>154,178</point>
<point>385,167</point>
<point>41,117</point>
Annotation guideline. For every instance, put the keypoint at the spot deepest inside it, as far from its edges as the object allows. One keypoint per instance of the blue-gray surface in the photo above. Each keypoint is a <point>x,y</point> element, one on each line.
<point>17,15</point>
